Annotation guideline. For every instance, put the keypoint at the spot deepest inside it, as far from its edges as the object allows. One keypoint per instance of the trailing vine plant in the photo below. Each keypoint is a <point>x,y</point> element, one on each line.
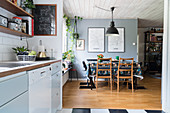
<point>72,31</point>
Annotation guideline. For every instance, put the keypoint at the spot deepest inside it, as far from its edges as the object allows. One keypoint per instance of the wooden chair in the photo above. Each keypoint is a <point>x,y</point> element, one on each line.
<point>100,68</point>
<point>122,67</point>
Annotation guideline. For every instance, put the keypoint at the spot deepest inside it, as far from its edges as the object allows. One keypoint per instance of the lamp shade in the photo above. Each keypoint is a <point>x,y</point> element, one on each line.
<point>112,31</point>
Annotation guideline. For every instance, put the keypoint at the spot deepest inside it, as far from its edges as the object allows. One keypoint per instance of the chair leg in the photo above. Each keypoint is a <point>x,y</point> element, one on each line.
<point>108,82</point>
<point>132,85</point>
<point>127,83</point>
<point>87,82</point>
<point>117,84</point>
<point>111,83</point>
<point>91,83</point>
<point>96,84</point>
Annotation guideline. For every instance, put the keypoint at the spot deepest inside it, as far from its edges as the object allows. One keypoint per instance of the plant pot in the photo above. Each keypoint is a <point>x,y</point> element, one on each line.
<point>28,10</point>
<point>76,35</point>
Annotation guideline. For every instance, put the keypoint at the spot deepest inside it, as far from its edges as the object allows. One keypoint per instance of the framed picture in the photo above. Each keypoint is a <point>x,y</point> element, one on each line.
<point>117,43</point>
<point>80,44</point>
<point>45,20</point>
<point>96,39</point>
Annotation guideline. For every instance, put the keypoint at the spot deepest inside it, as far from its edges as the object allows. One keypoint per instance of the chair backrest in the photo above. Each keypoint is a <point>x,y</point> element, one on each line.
<point>101,62</point>
<point>126,64</point>
<point>89,70</point>
<point>84,65</point>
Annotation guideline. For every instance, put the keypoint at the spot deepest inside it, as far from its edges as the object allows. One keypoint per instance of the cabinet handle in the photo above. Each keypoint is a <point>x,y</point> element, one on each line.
<point>50,68</point>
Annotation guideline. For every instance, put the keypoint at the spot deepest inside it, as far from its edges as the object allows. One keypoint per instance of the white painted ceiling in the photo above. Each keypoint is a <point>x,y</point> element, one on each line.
<point>149,12</point>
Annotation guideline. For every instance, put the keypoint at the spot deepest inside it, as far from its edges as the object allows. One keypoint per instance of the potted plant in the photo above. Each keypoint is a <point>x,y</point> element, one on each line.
<point>69,56</point>
<point>100,56</point>
<point>28,6</point>
<point>23,54</point>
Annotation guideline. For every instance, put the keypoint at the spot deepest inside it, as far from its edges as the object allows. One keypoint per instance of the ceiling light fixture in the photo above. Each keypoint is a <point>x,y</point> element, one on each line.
<point>112,31</point>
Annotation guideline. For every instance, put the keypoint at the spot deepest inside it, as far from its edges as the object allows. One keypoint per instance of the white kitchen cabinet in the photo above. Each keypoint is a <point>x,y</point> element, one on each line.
<point>14,93</point>
<point>17,105</point>
<point>40,90</point>
<point>56,67</point>
<point>56,92</point>
<point>11,87</point>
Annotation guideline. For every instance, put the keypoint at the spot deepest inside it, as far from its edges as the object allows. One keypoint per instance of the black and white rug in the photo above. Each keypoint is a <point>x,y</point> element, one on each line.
<point>86,110</point>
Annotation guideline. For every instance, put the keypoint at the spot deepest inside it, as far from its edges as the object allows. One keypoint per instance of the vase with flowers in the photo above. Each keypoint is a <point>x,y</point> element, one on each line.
<point>100,56</point>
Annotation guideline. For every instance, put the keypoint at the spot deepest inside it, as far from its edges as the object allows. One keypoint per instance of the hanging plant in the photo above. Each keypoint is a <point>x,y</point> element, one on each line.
<point>72,30</point>
<point>75,34</point>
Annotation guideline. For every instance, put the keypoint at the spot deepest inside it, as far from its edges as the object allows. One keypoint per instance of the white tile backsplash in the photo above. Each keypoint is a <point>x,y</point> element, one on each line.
<point>8,56</point>
<point>0,57</point>
<point>7,42</point>
<point>0,40</point>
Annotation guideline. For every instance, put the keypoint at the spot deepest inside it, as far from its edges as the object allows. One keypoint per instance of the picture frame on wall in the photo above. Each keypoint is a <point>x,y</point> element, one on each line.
<point>45,20</point>
<point>96,39</point>
<point>80,45</point>
<point>117,43</point>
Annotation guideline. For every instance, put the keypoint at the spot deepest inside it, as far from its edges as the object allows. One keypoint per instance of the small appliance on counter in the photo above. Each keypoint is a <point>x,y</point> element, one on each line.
<point>41,54</point>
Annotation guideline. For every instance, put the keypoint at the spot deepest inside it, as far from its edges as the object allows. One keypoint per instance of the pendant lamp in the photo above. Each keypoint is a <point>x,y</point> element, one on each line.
<point>112,31</point>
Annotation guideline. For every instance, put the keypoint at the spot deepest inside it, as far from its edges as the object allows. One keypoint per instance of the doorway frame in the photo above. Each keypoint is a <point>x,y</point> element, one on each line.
<point>166,59</point>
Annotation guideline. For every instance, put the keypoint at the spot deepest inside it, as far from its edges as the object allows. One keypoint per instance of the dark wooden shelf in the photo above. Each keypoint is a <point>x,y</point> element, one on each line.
<point>8,5</point>
<point>13,32</point>
<point>153,51</point>
<point>150,32</point>
<point>154,42</point>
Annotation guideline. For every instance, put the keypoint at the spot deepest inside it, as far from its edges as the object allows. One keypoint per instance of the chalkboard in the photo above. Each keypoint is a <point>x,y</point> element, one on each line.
<point>45,21</point>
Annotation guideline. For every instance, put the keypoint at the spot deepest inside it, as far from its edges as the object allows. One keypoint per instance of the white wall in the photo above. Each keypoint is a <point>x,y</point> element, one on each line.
<point>166,59</point>
<point>7,42</point>
<point>50,42</point>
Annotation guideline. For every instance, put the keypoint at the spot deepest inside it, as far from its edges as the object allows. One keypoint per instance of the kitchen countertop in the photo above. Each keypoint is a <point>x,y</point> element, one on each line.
<point>5,71</point>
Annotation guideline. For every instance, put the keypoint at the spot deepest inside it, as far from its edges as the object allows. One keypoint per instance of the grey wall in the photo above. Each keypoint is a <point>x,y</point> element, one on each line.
<point>130,26</point>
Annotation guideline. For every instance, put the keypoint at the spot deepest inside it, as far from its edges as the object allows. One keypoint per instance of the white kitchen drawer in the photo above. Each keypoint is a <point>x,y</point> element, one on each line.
<point>56,91</point>
<point>55,82</point>
<point>56,67</point>
<point>55,101</point>
<point>18,105</point>
<point>11,88</point>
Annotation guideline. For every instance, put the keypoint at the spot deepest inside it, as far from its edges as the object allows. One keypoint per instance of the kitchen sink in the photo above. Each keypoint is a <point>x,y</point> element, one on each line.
<point>12,65</point>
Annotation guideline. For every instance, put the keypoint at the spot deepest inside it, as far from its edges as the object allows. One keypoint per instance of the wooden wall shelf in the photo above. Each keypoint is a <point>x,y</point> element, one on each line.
<point>13,32</point>
<point>8,5</point>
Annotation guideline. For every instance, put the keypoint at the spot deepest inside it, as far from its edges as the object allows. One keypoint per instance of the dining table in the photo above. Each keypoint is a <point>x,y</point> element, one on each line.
<point>137,70</point>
